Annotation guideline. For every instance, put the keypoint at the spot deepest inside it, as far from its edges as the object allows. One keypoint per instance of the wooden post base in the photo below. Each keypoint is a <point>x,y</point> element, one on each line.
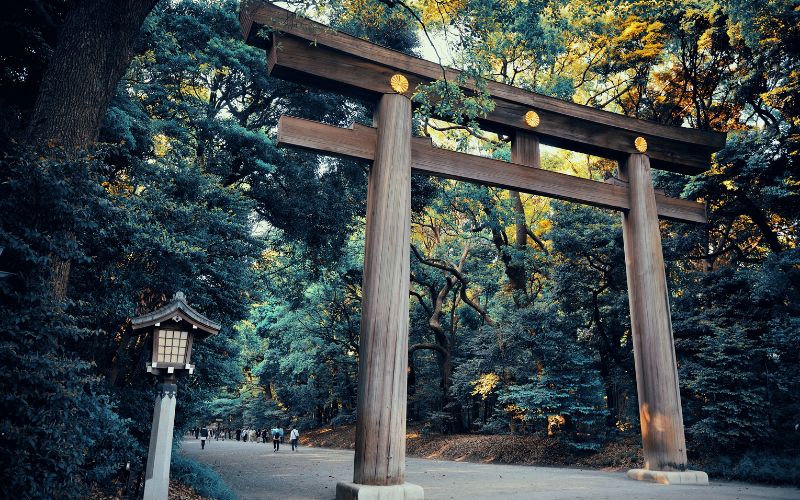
<point>354,491</point>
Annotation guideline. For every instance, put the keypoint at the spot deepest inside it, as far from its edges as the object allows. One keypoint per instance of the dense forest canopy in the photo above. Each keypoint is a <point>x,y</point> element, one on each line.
<point>146,163</point>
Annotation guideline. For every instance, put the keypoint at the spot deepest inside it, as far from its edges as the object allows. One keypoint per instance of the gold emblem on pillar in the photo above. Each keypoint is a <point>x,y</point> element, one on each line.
<point>641,144</point>
<point>532,119</point>
<point>399,83</point>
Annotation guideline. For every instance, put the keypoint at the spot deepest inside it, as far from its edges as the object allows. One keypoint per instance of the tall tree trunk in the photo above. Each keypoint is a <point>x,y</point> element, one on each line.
<point>524,151</point>
<point>443,344</point>
<point>450,404</point>
<point>95,46</point>
<point>516,272</point>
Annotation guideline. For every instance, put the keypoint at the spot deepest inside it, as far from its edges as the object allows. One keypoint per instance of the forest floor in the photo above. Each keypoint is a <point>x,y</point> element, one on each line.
<point>618,455</point>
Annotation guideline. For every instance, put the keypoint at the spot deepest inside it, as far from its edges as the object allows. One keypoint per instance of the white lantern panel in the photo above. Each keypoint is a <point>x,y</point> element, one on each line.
<point>172,346</point>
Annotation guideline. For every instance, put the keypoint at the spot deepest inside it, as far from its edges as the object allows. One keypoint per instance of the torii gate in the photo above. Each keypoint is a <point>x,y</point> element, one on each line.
<point>313,54</point>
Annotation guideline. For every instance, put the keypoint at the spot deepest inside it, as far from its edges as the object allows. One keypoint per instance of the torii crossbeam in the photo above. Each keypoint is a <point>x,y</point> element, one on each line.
<point>359,142</point>
<point>311,53</point>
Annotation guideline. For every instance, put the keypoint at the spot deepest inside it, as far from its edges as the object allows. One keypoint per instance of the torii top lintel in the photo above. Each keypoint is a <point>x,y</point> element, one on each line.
<point>311,53</point>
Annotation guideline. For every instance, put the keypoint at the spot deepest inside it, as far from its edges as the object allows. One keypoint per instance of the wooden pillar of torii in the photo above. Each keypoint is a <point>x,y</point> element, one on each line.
<point>380,461</point>
<point>660,413</point>
<point>313,54</point>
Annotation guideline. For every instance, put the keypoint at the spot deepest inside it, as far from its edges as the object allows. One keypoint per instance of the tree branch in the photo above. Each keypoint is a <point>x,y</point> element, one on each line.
<point>428,346</point>
<point>537,240</point>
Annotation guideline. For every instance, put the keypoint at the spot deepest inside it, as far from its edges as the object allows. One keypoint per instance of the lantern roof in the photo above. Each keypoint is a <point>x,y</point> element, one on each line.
<point>178,310</point>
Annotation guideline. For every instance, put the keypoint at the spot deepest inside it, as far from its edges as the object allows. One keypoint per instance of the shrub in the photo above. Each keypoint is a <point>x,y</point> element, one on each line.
<point>758,467</point>
<point>201,477</point>
<point>60,428</point>
<point>343,418</point>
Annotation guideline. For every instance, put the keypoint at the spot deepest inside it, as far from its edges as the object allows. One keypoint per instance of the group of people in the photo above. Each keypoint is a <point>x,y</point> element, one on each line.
<point>277,437</point>
<point>244,435</point>
<point>210,432</point>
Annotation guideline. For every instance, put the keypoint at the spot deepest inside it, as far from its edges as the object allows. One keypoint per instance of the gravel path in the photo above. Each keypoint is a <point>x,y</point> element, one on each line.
<point>253,471</point>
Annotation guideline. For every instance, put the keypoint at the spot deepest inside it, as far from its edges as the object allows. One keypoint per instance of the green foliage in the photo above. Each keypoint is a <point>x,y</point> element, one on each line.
<point>757,466</point>
<point>447,100</point>
<point>60,427</point>
<point>205,480</point>
<point>565,384</point>
<point>374,21</point>
<point>738,340</point>
<point>207,99</point>
<point>730,403</point>
<point>306,343</point>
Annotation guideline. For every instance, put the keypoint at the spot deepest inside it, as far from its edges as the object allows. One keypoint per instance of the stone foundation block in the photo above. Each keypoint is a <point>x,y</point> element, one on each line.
<point>694,477</point>
<point>353,491</point>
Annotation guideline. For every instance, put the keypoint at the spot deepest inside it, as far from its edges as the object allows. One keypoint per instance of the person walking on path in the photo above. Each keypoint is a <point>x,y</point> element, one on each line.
<point>294,436</point>
<point>276,439</point>
<point>203,437</point>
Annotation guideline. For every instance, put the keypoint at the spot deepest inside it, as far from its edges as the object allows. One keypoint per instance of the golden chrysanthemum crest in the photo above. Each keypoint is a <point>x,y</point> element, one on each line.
<point>532,119</point>
<point>399,83</point>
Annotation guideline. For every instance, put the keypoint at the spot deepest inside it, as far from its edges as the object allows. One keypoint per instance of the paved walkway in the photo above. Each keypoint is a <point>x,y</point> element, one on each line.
<point>253,471</point>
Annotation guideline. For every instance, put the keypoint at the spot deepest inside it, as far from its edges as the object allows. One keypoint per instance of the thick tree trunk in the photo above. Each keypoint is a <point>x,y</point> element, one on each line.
<point>515,269</point>
<point>95,46</point>
<point>450,405</point>
<point>443,345</point>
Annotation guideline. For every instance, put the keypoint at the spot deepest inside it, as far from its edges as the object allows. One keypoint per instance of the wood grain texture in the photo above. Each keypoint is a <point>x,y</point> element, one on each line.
<point>382,378</point>
<point>525,149</point>
<point>314,54</point>
<point>660,412</point>
<point>359,142</point>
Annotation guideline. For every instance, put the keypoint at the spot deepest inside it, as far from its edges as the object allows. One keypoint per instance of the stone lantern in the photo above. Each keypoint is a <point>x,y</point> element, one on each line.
<point>173,329</point>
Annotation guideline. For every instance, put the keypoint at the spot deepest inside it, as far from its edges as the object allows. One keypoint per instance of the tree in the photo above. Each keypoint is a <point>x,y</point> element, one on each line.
<point>589,281</point>
<point>59,421</point>
<point>95,45</point>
